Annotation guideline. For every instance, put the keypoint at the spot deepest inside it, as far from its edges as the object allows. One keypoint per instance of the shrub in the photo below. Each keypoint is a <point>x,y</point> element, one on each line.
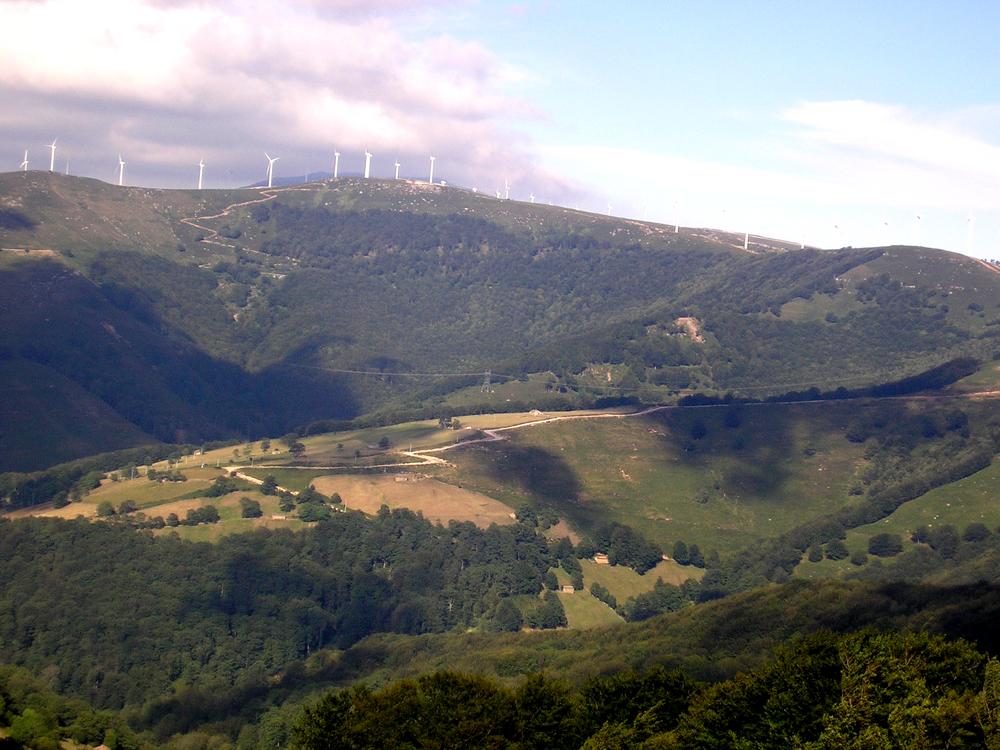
<point>885,545</point>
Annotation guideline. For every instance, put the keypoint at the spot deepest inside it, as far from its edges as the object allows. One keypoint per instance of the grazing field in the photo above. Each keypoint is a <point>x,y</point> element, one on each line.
<point>291,479</point>
<point>625,583</point>
<point>584,611</point>
<point>437,501</point>
<point>230,519</point>
<point>720,477</point>
<point>974,499</point>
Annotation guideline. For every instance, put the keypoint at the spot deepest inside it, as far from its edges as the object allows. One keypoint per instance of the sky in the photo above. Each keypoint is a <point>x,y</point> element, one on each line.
<point>830,124</point>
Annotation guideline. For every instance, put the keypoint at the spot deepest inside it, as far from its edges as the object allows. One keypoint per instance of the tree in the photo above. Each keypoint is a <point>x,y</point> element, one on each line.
<point>286,502</point>
<point>384,443</point>
<point>105,509</point>
<point>265,444</point>
<point>944,540</point>
<point>836,550</point>
<point>312,512</point>
<point>695,557</point>
<point>297,449</point>
<point>270,485</point>
<point>815,552</point>
<point>126,507</point>
<point>681,553</point>
<point>250,508</point>
<point>885,545</point>
<point>975,532</point>
<point>507,617</point>
<point>173,520</point>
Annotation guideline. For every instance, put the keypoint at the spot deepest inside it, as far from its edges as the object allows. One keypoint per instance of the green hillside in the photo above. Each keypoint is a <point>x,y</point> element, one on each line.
<point>236,313</point>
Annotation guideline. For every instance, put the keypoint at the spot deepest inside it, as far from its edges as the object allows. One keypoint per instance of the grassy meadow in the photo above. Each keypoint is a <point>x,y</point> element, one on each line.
<point>746,476</point>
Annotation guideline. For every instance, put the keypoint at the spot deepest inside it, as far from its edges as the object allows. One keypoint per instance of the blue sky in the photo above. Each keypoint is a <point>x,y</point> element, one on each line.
<point>826,123</point>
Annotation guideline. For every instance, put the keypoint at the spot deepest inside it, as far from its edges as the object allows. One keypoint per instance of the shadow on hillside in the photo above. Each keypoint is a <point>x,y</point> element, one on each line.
<point>13,219</point>
<point>536,471</point>
<point>756,444</point>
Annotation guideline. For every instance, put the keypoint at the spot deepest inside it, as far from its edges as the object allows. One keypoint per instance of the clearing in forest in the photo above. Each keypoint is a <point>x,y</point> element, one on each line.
<point>439,502</point>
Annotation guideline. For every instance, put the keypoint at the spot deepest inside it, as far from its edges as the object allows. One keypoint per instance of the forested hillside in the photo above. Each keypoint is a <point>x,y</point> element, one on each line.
<point>147,322</point>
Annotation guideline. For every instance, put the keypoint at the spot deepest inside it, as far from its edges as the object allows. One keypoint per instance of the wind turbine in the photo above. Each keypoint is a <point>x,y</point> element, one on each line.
<point>270,167</point>
<point>531,197</point>
<point>336,163</point>
<point>746,240</point>
<point>368,164</point>
<point>431,178</point>
<point>24,164</point>
<point>201,171</point>
<point>397,169</point>
<point>506,190</point>
<point>970,234</point>
<point>121,171</point>
<point>52,159</point>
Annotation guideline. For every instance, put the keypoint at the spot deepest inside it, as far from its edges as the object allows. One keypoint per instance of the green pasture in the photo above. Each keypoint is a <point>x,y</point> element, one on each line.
<point>680,474</point>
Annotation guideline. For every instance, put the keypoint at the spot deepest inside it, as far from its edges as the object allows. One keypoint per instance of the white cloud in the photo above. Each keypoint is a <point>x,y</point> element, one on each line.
<point>177,79</point>
<point>828,173</point>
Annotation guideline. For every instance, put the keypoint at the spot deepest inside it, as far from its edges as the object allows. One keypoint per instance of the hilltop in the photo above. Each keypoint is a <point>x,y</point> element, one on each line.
<point>134,315</point>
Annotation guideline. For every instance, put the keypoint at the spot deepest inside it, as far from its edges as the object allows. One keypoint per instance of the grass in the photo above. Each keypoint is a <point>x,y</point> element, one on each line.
<point>625,583</point>
<point>230,521</point>
<point>975,498</point>
<point>584,612</point>
<point>782,466</point>
<point>290,479</point>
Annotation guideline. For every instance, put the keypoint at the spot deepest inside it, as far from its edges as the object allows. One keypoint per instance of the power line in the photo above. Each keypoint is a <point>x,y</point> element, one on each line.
<point>410,374</point>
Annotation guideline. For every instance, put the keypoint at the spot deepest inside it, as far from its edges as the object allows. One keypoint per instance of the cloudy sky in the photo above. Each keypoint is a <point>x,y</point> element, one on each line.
<point>829,123</point>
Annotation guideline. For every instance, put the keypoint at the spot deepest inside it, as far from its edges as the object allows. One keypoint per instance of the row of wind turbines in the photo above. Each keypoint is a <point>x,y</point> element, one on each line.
<point>52,163</point>
<point>336,167</point>
<point>500,194</point>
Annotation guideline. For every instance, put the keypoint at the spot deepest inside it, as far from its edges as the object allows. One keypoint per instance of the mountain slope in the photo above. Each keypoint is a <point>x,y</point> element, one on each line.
<point>237,312</point>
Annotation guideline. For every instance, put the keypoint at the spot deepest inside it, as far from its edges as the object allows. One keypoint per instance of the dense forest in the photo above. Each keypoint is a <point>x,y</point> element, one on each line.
<point>822,693</point>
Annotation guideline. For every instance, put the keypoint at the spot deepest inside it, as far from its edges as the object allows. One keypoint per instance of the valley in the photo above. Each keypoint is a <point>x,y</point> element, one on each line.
<point>356,432</point>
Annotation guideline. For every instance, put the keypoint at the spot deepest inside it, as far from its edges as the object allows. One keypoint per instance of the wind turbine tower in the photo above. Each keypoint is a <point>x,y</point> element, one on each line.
<point>531,197</point>
<point>368,164</point>
<point>506,190</point>
<point>336,163</point>
<point>746,240</point>
<point>430,179</point>
<point>24,164</point>
<point>397,169</point>
<point>201,171</point>
<point>121,171</point>
<point>270,168</point>
<point>52,156</point>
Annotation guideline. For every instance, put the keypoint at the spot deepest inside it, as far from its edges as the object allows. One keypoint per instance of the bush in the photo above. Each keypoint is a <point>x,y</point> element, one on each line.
<point>836,550</point>
<point>975,532</point>
<point>885,545</point>
<point>250,508</point>
<point>944,540</point>
<point>312,512</point>
<point>859,558</point>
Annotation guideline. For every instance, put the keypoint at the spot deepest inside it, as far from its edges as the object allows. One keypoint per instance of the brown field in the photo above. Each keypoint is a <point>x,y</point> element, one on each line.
<point>439,502</point>
<point>560,530</point>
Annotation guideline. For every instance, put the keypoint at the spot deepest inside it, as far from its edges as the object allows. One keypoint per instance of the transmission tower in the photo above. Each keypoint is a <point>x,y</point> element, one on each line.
<point>487,383</point>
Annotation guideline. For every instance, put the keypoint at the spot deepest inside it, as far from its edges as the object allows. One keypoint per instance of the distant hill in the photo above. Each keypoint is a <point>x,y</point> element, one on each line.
<point>189,315</point>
